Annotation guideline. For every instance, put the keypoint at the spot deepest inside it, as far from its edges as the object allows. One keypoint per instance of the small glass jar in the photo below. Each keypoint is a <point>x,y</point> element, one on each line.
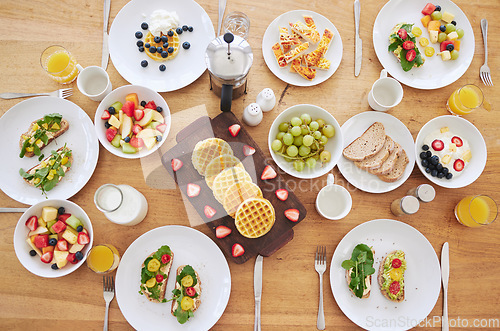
<point>406,205</point>
<point>237,23</point>
<point>424,192</point>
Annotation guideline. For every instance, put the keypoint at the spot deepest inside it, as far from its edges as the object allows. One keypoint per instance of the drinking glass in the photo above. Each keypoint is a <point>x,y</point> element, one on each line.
<point>237,23</point>
<point>465,100</point>
<point>59,64</point>
<point>103,259</point>
<point>475,211</point>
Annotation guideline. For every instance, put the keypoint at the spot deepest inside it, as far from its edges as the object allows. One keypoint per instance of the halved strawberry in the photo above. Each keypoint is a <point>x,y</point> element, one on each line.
<point>128,108</point>
<point>110,134</point>
<point>47,257</point>
<point>105,115</point>
<point>458,165</point>
<point>62,245</point>
<point>136,142</point>
<point>176,164</point>
<point>248,150</point>
<point>292,214</point>
<point>63,217</point>
<point>222,231</point>
<point>150,105</point>
<point>237,250</point>
<point>234,129</point>
<point>32,223</point>
<point>268,173</point>
<point>83,238</point>
<point>457,141</point>
<point>138,114</point>
<point>161,127</point>
<point>437,145</point>
<point>282,194</point>
<point>209,211</point>
<point>136,129</point>
<point>193,190</point>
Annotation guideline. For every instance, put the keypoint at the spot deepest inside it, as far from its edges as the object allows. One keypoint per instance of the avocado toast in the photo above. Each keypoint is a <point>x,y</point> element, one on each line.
<point>154,274</point>
<point>391,276</point>
<point>40,133</point>
<point>403,44</point>
<point>186,295</point>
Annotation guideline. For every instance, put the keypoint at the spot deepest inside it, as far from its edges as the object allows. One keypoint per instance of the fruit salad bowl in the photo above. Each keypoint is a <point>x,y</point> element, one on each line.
<point>62,254</point>
<point>136,126</point>
<point>333,145</point>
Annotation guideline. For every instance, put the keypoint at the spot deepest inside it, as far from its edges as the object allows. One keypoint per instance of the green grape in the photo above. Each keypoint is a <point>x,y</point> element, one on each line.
<point>304,150</point>
<point>454,54</point>
<point>450,28</point>
<point>305,129</point>
<point>460,33</point>
<point>441,37</point>
<point>295,121</point>
<point>316,135</point>
<point>311,162</point>
<point>321,123</point>
<point>276,145</point>
<point>297,141</point>
<point>325,156</point>
<point>323,140</point>
<point>298,165</point>
<point>283,127</point>
<point>436,16</point>
<point>314,147</point>
<point>280,135</point>
<point>308,140</point>
<point>296,131</point>
<point>328,131</point>
<point>288,139</point>
<point>292,151</point>
<point>316,157</point>
<point>306,118</point>
<point>314,126</point>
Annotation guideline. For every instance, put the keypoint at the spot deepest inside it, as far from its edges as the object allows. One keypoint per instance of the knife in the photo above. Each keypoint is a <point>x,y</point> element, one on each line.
<point>13,210</point>
<point>105,48</point>
<point>358,50</point>
<point>257,289</point>
<point>445,275</point>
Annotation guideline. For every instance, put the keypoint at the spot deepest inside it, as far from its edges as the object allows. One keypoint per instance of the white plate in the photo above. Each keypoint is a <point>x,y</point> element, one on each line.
<point>477,145</point>
<point>334,144</point>
<point>187,66</point>
<point>435,73</point>
<point>80,138</point>
<point>394,128</point>
<point>22,249</point>
<point>144,94</point>
<point>271,37</point>
<point>189,247</point>
<point>422,277</point>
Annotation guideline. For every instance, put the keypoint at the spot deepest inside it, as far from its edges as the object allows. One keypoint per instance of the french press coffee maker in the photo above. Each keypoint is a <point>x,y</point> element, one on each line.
<point>228,60</point>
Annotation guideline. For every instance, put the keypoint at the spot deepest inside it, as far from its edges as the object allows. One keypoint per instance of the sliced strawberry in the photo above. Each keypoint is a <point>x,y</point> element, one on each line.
<point>159,278</point>
<point>32,223</point>
<point>105,115</point>
<point>402,33</point>
<point>234,129</point>
<point>136,142</point>
<point>161,127</point>
<point>110,134</point>
<point>176,164</point>
<point>41,240</point>
<point>136,129</point>
<point>458,165</point>
<point>47,257</point>
<point>292,214</point>
<point>72,258</point>
<point>128,108</point>
<point>282,194</point>
<point>193,190</point>
<point>165,258</point>
<point>222,231</point>
<point>248,150</point>
<point>268,173</point>
<point>62,245</point>
<point>437,145</point>
<point>410,55</point>
<point>408,45</point>
<point>63,217</point>
<point>209,211</point>
<point>138,114</point>
<point>238,250</point>
<point>59,227</point>
<point>457,141</point>
<point>150,105</point>
<point>83,238</point>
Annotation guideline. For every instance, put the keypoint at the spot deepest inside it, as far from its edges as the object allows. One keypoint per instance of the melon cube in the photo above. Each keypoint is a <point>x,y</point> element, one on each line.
<point>49,213</point>
<point>433,26</point>
<point>425,20</point>
<point>445,55</point>
<point>447,17</point>
<point>70,235</point>
<point>452,36</point>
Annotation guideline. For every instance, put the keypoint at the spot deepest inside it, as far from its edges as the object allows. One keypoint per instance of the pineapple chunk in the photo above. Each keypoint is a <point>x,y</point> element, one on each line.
<point>447,17</point>
<point>49,213</point>
<point>60,255</point>
<point>446,159</point>
<point>62,263</point>
<point>114,121</point>
<point>433,35</point>
<point>76,247</point>
<point>444,129</point>
<point>467,155</point>
<point>445,55</point>
<point>70,235</point>
<point>39,230</point>
<point>453,147</point>
<point>55,126</point>
<point>452,36</point>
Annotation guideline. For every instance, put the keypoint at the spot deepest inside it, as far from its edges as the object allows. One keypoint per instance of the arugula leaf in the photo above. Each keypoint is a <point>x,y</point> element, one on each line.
<point>42,173</point>
<point>44,138</point>
<point>182,315</point>
<point>162,251</point>
<point>394,46</point>
<point>40,158</point>
<point>25,175</point>
<point>405,64</point>
<point>36,149</point>
<point>49,185</point>
<point>361,265</point>
<point>348,264</point>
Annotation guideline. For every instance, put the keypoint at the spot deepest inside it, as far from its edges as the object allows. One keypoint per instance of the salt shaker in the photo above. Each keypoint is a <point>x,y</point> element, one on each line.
<point>424,192</point>
<point>266,99</point>
<point>252,115</point>
<point>405,206</point>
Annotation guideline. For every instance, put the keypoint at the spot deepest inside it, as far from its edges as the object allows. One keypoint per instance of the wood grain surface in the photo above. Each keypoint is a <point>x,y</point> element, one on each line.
<point>290,286</point>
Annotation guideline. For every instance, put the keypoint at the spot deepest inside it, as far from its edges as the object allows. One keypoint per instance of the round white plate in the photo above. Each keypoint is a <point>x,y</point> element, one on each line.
<point>435,73</point>
<point>144,94</point>
<point>466,130</point>
<point>394,128</point>
<point>187,66</point>
<point>271,37</point>
<point>422,277</point>
<point>80,138</point>
<point>33,263</point>
<point>189,247</point>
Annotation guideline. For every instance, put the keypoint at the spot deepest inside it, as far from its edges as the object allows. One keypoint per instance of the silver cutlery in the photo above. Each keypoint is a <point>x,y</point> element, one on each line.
<point>61,93</point>
<point>445,275</point>
<point>13,210</point>
<point>320,267</point>
<point>358,50</point>
<point>257,289</point>
<point>484,71</point>
<point>105,47</point>
<point>108,283</point>
<point>222,8</point>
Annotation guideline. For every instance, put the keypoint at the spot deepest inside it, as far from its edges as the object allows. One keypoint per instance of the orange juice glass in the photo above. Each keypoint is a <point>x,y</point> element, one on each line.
<point>475,211</point>
<point>59,64</point>
<point>465,100</point>
<point>103,258</point>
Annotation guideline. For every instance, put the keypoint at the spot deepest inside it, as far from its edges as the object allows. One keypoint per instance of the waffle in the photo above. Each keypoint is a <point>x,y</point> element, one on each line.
<point>237,193</point>
<point>218,164</point>
<point>173,41</point>
<point>227,178</point>
<point>254,217</point>
<point>206,150</point>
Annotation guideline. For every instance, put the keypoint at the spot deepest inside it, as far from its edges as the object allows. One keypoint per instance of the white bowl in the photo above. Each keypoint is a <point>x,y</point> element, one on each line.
<point>477,146</point>
<point>33,263</point>
<point>119,94</point>
<point>334,144</point>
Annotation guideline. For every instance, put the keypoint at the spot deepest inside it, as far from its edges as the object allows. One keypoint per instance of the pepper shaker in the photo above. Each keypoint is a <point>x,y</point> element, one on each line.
<point>266,99</point>
<point>252,115</point>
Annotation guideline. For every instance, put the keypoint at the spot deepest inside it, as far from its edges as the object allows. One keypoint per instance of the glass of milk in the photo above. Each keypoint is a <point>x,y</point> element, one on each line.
<point>121,204</point>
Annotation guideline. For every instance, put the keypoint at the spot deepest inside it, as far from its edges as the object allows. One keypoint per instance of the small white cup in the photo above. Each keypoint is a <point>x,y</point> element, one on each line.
<point>333,201</point>
<point>386,93</point>
<point>93,82</point>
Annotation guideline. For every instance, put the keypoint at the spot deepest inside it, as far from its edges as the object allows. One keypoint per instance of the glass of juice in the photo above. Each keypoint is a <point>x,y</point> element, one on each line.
<point>103,258</point>
<point>465,100</point>
<point>475,211</point>
<point>59,64</point>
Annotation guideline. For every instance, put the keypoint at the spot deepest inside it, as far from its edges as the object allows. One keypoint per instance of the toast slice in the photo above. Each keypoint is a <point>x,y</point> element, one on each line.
<point>388,164</point>
<point>398,169</point>
<point>367,145</point>
<point>183,315</point>
<point>45,129</point>
<point>157,292</point>
<point>375,161</point>
<point>380,278</point>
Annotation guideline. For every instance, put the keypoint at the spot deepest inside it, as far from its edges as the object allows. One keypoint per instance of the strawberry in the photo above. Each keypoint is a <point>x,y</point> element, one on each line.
<point>42,240</point>
<point>138,114</point>
<point>110,134</point>
<point>63,217</point>
<point>268,173</point>
<point>457,141</point>
<point>128,108</point>
<point>402,34</point>
<point>136,142</point>
<point>282,194</point>
<point>71,258</point>
<point>105,115</point>
<point>234,129</point>
<point>222,231</point>
<point>62,245</point>
<point>209,211</point>
<point>408,45</point>
<point>237,250</point>
<point>410,55</point>
<point>248,150</point>
<point>437,145</point>
<point>150,105</point>
<point>458,165</point>
<point>292,214</point>
<point>136,129</point>
<point>161,127</point>
<point>176,164</point>
<point>47,257</point>
<point>32,223</point>
<point>193,190</point>
<point>83,238</point>
<point>59,227</point>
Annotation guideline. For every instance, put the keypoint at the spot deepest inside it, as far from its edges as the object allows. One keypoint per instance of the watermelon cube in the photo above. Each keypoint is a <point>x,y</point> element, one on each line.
<point>59,227</point>
<point>128,108</point>
<point>428,9</point>
<point>42,240</point>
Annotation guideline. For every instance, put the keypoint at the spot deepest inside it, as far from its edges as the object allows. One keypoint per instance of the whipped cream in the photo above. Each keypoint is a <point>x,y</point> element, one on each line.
<point>161,21</point>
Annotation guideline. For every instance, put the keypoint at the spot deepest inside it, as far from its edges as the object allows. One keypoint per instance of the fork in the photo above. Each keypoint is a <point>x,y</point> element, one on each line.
<point>61,93</point>
<point>484,71</point>
<point>109,293</point>
<point>320,267</point>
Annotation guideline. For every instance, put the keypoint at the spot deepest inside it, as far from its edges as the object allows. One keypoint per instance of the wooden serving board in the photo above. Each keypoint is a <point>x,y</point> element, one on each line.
<point>205,127</point>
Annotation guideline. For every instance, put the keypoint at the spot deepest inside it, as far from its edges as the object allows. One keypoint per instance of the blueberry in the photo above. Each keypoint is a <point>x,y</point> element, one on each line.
<point>127,139</point>
<point>428,170</point>
<point>79,228</point>
<point>425,147</point>
<point>449,175</point>
<point>32,252</point>
<point>425,163</point>
<point>438,8</point>
<point>442,28</point>
<point>54,266</point>
<point>164,54</point>
<point>186,45</point>
<point>139,43</point>
<point>79,255</point>
<point>445,171</point>
<point>439,167</point>
<point>162,67</point>
<point>435,160</point>
<point>138,34</point>
<point>141,49</point>
<point>431,166</point>
<point>434,173</point>
<point>157,39</point>
<point>185,27</point>
<point>165,45</point>
<point>440,175</point>
<point>159,49</point>
<point>178,30</point>
<point>52,241</point>
<point>61,210</point>
<point>107,125</point>
<point>144,63</point>
<point>170,50</point>
<point>159,109</point>
<point>429,153</point>
<point>158,138</point>
<point>143,103</point>
<point>147,45</point>
<point>450,47</point>
<point>144,26</point>
<point>454,23</point>
<point>190,29</point>
<point>170,33</point>
<point>111,110</point>
<point>164,39</point>
<point>152,49</point>
<point>423,155</point>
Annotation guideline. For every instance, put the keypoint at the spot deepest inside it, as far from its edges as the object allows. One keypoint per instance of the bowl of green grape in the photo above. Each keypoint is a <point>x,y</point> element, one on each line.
<point>305,141</point>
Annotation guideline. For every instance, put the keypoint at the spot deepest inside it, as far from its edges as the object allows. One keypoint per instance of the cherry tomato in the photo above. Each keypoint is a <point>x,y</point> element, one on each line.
<point>190,291</point>
<point>396,274</point>
<point>153,265</point>
<point>187,303</point>
<point>165,258</point>
<point>151,282</point>
<point>396,263</point>
<point>402,34</point>
<point>410,55</point>
<point>394,288</point>
<point>187,281</point>
<point>159,278</point>
<point>408,45</point>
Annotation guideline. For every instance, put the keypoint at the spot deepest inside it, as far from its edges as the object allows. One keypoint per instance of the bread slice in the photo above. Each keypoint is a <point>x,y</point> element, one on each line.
<point>367,145</point>
<point>33,170</point>
<point>389,163</point>
<point>398,170</point>
<point>380,279</point>
<point>378,159</point>
<point>64,126</point>
<point>197,287</point>
<point>163,287</point>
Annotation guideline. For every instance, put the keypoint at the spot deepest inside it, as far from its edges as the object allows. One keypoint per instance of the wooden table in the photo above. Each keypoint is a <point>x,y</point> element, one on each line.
<point>290,289</point>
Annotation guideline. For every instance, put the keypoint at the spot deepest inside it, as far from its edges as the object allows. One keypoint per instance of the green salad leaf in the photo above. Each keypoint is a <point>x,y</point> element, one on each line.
<point>361,263</point>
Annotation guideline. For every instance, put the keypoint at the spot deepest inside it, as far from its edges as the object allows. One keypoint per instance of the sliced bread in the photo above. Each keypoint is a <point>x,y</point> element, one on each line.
<point>389,163</point>
<point>367,145</point>
<point>375,161</point>
<point>398,169</point>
